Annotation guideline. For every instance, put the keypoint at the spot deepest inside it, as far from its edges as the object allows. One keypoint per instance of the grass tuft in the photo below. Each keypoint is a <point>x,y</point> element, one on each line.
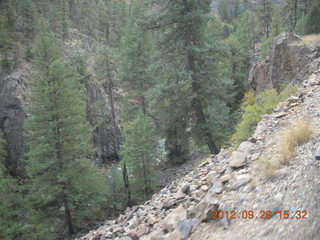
<point>311,39</point>
<point>297,133</point>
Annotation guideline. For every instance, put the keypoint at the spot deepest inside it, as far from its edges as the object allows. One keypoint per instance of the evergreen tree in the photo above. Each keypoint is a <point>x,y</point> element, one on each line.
<point>191,90</point>
<point>7,36</point>
<point>117,15</point>
<point>63,183</point>
<point>135,61</point>
<point>139,157</point>
<point>238,55</point>
<point>312,20</point>
<point>12,205</point>
<point>115,189</point>
<point>265,16</point>
<point>29,13</point>
<point>276,24</point>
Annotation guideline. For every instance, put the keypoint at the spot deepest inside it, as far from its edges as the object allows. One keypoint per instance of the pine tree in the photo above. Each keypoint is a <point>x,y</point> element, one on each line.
<point>115,189</point>
<point>12,205</point>
<point>192,90</point>
<point>312,20</point>
<point>117,21</point>
<point>238,55</point>
<point>265,16</point>
<point>63,183</point>
<point>276,24</point>
<point>139,156</point>
<point>7,36</point>
<point>135,61</point>
<point>29,13</point>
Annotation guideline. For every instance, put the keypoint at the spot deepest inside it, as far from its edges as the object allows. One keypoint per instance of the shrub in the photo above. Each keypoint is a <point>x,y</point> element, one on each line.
<point>254,107</point>
<point>297,133</point>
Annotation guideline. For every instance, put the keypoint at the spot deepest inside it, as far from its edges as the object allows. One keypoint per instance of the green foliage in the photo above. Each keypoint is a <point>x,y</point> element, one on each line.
<point>276,24</point>
<point>230,9</point>
<point>12,205</point>
<point>60,174</point>
<point>191,84</point>
<point>312,20</point>
<point>136,50</point>
<point>238,55</point>
<point>300,26</point>
<point>115,189</point>
<point>139,155</point>
<point>7,35</point>
<point>254,107</point>
<point>265,47</point>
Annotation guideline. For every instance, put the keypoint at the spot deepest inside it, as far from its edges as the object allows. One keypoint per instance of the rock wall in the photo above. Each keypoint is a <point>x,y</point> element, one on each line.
<point>289,62</point>
<point>12,115</point>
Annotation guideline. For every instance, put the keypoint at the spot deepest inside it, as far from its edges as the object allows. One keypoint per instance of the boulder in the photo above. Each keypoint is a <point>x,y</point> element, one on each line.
<point>238,159</point>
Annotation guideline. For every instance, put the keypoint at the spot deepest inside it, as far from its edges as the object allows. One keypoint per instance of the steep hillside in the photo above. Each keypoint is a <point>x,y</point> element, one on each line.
<point>248,183</point>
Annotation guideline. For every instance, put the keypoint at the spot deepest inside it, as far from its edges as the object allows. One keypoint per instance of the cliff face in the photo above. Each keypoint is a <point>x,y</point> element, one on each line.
<point>12,115</point>
<point>13,102</point>
<point>289,62</point>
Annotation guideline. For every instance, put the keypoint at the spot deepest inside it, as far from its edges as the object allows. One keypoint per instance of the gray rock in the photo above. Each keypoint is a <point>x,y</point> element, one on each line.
<point>245,146</point>
<point>185,189</point>
<point>238,159</point>
<point>185,227</point>
<point>241,180</point>
<point>216,188</point>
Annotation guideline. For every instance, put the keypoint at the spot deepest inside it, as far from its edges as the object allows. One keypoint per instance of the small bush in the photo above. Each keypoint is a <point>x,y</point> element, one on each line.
<point>254,107</point>
<point>297,133</point>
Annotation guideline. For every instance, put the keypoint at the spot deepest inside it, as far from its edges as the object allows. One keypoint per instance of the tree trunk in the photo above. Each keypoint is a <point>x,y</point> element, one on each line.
<point>68,217</point>
<point>295,12</point>
<point>146,187</point>
<point>126,184</point>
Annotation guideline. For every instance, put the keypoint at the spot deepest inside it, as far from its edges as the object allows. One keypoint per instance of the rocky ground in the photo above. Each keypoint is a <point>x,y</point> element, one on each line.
<point>234,181</point>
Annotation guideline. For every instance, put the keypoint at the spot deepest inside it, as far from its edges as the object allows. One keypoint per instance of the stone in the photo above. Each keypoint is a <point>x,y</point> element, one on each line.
<point>255,156</point>
<point>142,229</point>
<point>241,180</point>
<point>245,146</point>
<point>293,99</point>
<point>185,227</point>
<point>216,188</point>
<point>211,177</point>
<point>279,196</point>
<point>185,189</point>
<point>204,188</point>
<point>168,204</point>
<point>281,114</point>
<point>318,154</point>
<point>253,139</point>
<point>180,195</point>
<point>225,178</point>
<point>203,210</point>
<point>238,159</point>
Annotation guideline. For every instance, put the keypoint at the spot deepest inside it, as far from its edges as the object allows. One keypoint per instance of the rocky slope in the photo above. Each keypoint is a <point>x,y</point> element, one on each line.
<point>236,181</point>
